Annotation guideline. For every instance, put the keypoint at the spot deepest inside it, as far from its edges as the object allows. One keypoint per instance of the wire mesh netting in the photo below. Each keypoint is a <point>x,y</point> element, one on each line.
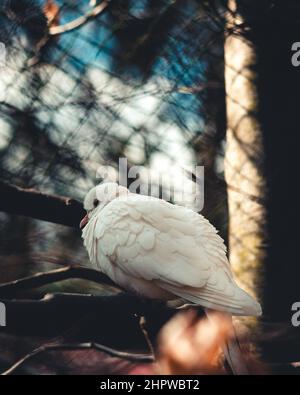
<point>131,81</point>
<point>86,83</point>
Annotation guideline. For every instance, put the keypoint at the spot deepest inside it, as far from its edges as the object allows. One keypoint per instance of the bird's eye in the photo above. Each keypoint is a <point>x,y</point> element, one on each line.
<point>95,202</point>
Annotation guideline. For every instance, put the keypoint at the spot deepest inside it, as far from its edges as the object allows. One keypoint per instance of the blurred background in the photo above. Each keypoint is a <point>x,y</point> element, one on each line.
<point>132,82</point>
<point>167,84</point>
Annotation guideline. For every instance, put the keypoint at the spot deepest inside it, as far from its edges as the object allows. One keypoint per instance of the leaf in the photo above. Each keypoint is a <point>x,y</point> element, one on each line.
<point>51,12</point>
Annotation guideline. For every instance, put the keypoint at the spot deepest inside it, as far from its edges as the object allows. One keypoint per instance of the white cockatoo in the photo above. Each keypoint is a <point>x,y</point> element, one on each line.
<point>161,251</point>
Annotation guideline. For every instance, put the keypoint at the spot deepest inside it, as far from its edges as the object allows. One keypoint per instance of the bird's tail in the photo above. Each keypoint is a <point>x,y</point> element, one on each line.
<point>241,303</point>
<point>231,348</point>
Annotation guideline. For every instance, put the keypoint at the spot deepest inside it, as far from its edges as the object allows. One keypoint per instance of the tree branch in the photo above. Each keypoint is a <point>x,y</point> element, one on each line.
<point>38,280</point>
<point>31,203</point>
<point>78,22</point>
<point>140,358</point>
<point>55,313</point>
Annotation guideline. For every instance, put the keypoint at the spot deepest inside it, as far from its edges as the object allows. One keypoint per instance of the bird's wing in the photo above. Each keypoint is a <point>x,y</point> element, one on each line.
<point>176,248</point>
<point>152,239</point>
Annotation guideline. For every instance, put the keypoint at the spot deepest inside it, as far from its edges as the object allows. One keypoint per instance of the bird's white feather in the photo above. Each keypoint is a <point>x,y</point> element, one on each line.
<point>164,251</point>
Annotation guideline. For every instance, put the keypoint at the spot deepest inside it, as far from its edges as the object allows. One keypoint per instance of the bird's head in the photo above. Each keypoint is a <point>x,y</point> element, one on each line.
<point>98,197</point>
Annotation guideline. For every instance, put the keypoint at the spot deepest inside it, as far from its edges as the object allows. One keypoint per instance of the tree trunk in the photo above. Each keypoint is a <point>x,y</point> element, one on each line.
<point>261,166</point>
<point>244,161</point>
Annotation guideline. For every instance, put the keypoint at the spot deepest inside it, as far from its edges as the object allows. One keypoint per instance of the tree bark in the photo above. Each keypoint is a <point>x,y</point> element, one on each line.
<point>244,160</point>
<point>261,163</point>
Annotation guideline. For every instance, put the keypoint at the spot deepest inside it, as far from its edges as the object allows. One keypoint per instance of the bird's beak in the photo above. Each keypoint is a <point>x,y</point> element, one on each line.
<point>83,222</point>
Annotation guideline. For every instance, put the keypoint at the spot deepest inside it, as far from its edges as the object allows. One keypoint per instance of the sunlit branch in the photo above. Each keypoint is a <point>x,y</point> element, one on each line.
<point>78,22</point>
